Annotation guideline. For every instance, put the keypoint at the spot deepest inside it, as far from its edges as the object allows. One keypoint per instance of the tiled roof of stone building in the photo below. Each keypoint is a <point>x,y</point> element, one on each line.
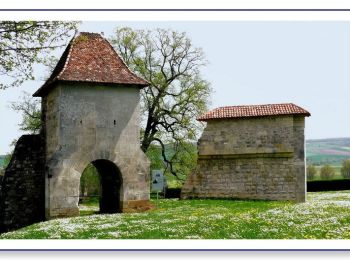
<point>253,111</point>
<point>91,58</point>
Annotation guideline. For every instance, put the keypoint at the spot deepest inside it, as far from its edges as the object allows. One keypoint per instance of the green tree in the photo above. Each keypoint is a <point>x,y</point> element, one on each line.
<point>90,181</point>
<point>154,153</point>
<point>345,169</point>
<point>184,159</point>
<point>30,109</point>
<point>25,43</point>
<point>6,162</point>
<point>327,172</point>
<point>311,172</point>
<point>177,93</point>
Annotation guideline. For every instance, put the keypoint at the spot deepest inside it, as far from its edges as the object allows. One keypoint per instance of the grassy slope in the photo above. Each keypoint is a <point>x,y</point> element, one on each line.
<point>325,215</point>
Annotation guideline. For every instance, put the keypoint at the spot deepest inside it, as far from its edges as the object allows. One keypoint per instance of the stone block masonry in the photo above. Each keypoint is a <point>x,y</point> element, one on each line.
<point>91,107</point>
<point>90,114</point>
<point>250,158</point>
<point>88,123</point>
<point>22,198</point>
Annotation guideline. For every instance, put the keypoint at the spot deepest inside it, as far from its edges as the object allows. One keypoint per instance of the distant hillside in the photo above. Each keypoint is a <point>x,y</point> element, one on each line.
<point>318,151</point>
<point>331,150</point>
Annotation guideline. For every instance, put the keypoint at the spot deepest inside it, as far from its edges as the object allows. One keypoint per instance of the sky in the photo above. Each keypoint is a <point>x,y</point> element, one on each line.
<point>306,63</point>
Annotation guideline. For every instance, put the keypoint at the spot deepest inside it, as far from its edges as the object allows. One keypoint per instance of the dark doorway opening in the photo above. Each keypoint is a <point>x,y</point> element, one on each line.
<point>101,183</point>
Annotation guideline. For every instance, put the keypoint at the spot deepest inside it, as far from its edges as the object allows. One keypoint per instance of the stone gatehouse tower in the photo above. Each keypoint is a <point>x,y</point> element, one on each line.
<point>251,152</point>
<point>90,114</point>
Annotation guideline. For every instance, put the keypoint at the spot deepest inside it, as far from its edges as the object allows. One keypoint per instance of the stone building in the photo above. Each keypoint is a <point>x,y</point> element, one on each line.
<point>90,114</point>
<point>251,152</point>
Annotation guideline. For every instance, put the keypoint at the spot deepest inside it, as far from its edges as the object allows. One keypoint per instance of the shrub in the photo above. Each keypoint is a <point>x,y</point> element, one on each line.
<point>327,172</point>
<point>311,172</point>
<point>345,169</point>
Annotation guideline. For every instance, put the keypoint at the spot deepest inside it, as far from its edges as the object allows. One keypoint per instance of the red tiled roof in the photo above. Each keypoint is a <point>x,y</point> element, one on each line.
<point>90,58</point>
<point>253,111</point>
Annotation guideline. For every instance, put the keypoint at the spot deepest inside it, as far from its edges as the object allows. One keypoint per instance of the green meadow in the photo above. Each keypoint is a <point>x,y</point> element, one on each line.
<point>325,215</point>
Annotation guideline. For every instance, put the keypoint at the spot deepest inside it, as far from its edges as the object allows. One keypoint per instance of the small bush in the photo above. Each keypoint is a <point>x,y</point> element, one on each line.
<point>327,172</point>
<point>345,169</point>
<point>311,172</point>
<point>174,184</point>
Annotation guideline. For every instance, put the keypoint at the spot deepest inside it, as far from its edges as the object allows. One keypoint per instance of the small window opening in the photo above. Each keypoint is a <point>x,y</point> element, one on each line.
<point>114,122</point>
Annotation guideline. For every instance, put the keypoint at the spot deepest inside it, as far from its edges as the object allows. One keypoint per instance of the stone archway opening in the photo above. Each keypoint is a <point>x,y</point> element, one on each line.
<point>100,188</point>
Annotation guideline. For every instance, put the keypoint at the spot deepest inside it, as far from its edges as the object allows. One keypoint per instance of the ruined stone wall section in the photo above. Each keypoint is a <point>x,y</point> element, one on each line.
<point>254,158</point>
<point>22,193</point>
<point>94,122</point>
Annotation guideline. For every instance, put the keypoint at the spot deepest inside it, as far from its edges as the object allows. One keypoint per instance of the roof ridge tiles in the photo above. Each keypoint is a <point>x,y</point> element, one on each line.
<point>67,59</point>
<point>89,57</point>
<point>242,111</point>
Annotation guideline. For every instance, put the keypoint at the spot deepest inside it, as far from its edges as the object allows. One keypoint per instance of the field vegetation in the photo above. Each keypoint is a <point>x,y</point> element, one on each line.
<point>325,215</point>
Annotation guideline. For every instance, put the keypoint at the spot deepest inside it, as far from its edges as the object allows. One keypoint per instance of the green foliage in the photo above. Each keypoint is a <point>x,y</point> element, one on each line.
<point>311,172</point>
<point>154,154</point>
<point>177,93</point>
<point>25,43</point>
<point>325,215</point>
<point>184,160</point>
<point>345,169</point>
<point>30,109</point>
<point>90,181</point>
<point>327,172</point>
<point>7,159</point>
<point>174,183</point>
<point>5,162</point>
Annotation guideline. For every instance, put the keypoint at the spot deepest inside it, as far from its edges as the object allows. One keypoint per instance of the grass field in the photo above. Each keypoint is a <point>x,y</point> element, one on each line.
<point>326,215</point>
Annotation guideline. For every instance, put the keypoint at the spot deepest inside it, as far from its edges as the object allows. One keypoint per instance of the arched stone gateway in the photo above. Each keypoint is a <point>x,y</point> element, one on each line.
<point>111,182</point>
<point>90,113</point>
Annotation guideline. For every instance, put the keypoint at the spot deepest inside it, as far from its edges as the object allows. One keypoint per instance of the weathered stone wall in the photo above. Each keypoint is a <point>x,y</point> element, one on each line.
<point>299,160</point>
<point>22,192</point>
<point>84,123</point>
<point>256,158</point>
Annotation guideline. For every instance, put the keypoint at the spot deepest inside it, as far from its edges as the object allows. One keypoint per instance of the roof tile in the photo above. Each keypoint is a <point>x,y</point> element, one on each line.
<point>253,111</point>
<point>90,58</point>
